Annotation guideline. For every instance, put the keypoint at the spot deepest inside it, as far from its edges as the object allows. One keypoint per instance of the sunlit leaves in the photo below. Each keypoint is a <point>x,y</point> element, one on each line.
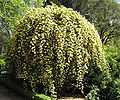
<point>54,45</point>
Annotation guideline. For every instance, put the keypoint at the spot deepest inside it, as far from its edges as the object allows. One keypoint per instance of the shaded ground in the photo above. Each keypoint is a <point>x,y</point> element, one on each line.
<point>6,94</point>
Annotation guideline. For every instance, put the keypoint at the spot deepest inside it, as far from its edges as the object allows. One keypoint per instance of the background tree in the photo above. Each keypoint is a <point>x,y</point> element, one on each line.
<point>10,12</point>
<point>103,14</point>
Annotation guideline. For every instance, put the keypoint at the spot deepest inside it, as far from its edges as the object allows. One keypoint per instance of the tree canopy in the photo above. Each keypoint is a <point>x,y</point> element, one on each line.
<point>56,46</point>
<point>10,12</point>
<point>103,14</point>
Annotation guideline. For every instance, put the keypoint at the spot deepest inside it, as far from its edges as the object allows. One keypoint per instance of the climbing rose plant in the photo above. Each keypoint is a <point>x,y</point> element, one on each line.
<point>55,46</point>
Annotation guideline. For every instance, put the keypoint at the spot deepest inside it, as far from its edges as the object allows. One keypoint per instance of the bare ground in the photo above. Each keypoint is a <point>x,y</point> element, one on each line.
<point>72,98</point>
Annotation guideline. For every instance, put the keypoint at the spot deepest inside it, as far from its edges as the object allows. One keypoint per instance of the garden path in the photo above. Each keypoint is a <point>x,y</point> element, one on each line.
<point>6,94</point>
<point>71,98</point>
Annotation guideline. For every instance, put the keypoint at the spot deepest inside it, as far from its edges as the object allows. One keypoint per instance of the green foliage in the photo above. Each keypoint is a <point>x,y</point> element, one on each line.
<point>2,65</point>
<point>56,46</point>
<point>43,97</point>
<point>10,12</point>
<point>93,94</point>
<point>96,83</point>
<point>109,89</point>
<point>114,89</point>
<point>104,14</point>
<point>113,58</point>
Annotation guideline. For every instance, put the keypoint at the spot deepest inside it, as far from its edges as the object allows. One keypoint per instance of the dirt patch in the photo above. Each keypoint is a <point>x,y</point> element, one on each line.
<point>71,98</point>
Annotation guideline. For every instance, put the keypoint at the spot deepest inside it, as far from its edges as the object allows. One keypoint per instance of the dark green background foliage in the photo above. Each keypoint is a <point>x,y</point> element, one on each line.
<point>57,47</point>
<point>110,91</point>
<point>113,58</point>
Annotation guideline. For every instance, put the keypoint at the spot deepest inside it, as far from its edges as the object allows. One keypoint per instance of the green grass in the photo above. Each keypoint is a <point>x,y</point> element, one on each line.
<point>44,97</point>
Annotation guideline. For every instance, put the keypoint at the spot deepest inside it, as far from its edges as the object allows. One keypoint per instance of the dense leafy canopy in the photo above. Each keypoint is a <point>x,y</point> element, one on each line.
<point>103,14</point>
<point>56,46</point>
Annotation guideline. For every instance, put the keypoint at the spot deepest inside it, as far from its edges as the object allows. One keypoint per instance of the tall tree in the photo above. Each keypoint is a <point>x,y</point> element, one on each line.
<point>104,14</point>
<point>106,19</point>
<point>10,12</point>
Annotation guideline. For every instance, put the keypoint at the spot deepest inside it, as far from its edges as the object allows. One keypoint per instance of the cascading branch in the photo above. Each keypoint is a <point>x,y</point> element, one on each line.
<point>54,46</point>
